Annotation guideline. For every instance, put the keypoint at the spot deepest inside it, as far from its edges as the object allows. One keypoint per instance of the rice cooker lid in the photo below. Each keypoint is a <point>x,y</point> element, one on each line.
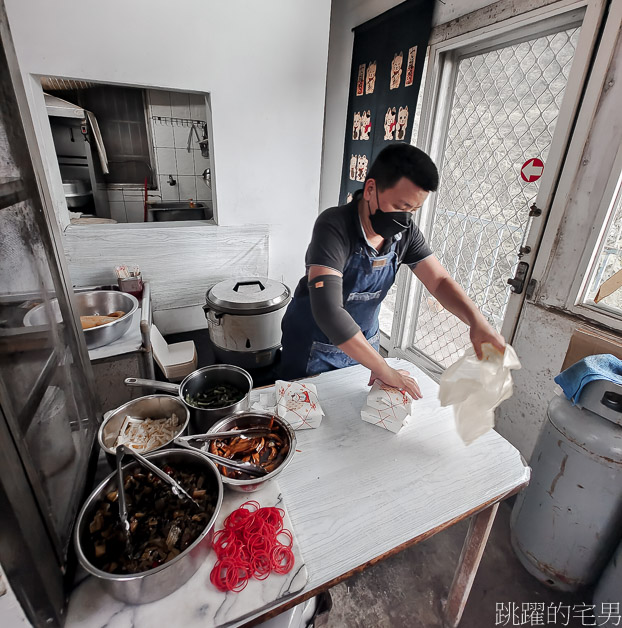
<point>248,295</point>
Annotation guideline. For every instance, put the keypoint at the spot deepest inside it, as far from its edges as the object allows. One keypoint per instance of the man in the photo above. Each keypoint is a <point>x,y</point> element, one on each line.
<point>355,252</point>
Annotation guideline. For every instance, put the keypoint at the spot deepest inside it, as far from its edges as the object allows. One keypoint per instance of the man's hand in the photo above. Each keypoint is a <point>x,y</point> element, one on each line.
<point>482,332</point>
<point>398,379</point>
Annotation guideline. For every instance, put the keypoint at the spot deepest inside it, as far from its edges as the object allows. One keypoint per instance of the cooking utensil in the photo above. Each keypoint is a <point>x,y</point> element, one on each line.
<point>245,467</point>
<point>251,419</point>
<point>201,419</point>
<point>251,432</point>
<point>177,488</point>
<point>193,130</point>
<point>244,319</point>
<point>92,303</point>
<point>154,584</point>
<point>125,524</point>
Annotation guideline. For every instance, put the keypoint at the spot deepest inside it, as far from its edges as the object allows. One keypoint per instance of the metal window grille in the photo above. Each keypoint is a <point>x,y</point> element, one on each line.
<point>505,105</point>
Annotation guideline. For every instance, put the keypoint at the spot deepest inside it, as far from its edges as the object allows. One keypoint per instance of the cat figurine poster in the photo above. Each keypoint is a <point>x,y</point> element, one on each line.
<point>396,70</point>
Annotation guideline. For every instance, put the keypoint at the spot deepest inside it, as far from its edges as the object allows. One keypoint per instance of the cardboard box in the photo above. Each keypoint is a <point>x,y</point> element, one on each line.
<point>590,341</point>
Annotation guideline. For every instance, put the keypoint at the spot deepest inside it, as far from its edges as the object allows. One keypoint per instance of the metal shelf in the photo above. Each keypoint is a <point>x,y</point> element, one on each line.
<point>11,191</point>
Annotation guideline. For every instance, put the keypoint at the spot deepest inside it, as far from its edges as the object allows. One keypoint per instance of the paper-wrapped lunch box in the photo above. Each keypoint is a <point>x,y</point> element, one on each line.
<point>298,404</point>
<point>387,407</point>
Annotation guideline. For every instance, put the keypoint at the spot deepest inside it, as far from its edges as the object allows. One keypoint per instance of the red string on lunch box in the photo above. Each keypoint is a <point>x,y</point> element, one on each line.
<point>252,544</point>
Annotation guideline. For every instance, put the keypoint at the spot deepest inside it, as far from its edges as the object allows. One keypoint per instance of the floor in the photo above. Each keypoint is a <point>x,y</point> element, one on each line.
<point>406,590</point>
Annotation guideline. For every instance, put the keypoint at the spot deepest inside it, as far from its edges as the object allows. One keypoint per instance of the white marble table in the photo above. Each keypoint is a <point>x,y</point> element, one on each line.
<point>357,493</point>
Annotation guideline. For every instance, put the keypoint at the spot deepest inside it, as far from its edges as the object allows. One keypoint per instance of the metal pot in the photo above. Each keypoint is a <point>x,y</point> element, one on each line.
<point>202,419</point>
<point>243,420</point>
<point>244,320</point>
<point>95,302</point>
<point>149,407</point>
<point>157,583</point>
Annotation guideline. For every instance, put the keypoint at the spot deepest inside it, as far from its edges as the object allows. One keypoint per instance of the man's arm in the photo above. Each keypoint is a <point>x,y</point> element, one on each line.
<point>452,297</point>
<point>359,349</point>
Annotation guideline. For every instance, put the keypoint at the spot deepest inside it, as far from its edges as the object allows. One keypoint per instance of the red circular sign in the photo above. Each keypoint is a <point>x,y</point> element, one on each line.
<point>532,170</point>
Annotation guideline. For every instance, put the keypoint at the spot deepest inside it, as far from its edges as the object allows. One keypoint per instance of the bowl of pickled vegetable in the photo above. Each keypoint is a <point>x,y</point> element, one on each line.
<point>213,392</point>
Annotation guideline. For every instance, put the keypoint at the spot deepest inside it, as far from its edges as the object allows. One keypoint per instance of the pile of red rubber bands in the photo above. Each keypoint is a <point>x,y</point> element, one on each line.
<point>252,544</point>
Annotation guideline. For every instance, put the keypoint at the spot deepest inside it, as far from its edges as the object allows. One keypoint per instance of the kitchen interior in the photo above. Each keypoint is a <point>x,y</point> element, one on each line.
<point>156,202</point>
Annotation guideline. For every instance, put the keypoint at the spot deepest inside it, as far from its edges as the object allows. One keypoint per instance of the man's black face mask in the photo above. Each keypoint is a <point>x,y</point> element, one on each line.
<point>389,224</point>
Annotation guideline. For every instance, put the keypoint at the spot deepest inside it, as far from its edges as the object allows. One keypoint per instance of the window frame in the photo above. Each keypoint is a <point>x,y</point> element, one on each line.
<point>612,195</point>
<point>443,55</point>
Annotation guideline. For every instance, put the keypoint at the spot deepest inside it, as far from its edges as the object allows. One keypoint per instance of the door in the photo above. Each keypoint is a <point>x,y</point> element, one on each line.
<point>498,105</point>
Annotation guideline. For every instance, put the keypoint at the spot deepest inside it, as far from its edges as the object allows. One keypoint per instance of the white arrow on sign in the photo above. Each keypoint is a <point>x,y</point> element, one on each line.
<point>529,170</point>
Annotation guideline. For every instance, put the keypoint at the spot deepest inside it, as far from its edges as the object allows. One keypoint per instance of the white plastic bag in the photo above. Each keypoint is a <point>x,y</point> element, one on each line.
<point>476,387</point>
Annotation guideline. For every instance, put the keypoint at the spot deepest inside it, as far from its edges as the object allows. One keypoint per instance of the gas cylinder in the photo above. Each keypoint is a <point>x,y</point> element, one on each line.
<point>566,524</point>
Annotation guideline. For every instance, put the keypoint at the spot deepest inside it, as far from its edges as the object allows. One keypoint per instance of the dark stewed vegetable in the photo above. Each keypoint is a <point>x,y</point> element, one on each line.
<point>218,396</point>
<point>161,525</point>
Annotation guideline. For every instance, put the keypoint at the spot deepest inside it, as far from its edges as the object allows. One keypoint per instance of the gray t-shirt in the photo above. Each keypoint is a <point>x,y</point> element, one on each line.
<point>338,231</point>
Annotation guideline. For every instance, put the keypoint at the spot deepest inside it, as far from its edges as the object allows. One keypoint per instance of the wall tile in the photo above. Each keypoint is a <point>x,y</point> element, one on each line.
<point>117,211</point>
<point>187,188</point>
<point>198,110</point>
<point>200,163</point>
<point>160,103</point>
<point>169,192</point>
<point>185,161</point>
<point>203,192</point>
<point>180,135</point>
<point>167,164</point>
<point>180,105</point>
<point>135,211</point>
<point>163,135</point>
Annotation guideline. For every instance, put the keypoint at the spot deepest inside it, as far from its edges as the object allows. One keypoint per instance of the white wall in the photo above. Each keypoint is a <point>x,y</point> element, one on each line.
<point>263,63</point>
<point>345,16</point>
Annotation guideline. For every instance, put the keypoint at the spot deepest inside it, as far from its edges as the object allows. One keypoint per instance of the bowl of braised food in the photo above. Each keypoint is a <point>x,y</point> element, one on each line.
<point>169,535</point>
<point>272,451</point>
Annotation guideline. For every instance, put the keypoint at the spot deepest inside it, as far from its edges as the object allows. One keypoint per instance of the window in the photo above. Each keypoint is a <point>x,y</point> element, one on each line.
<point>607,260</point>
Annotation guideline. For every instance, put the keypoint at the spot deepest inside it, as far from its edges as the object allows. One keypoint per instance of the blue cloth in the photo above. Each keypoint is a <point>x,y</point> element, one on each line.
<point>366,280</point>
<point>574,379</point>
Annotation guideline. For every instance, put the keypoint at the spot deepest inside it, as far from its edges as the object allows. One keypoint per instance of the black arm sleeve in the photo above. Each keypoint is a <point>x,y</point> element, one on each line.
<point>325,293</point>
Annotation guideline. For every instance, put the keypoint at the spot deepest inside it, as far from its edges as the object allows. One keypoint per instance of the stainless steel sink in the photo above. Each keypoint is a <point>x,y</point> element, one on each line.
<point>179,210</point>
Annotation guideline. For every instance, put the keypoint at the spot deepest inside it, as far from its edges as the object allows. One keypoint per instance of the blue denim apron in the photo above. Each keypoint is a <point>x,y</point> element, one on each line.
<point>366,281</point>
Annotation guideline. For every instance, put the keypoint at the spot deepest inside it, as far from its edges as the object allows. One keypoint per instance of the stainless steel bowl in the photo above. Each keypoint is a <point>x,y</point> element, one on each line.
<point>93,303</point>
<point>202,419</point>
<point>253,418</point>
<point>154,584</point>
<point>149,407</point>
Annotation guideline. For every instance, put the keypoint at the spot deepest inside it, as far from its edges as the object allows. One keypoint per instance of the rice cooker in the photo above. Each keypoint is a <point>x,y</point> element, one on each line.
<point>244,320</point>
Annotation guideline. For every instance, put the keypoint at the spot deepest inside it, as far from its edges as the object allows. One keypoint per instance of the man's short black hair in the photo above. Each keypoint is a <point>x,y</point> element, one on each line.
<point>403,160</point>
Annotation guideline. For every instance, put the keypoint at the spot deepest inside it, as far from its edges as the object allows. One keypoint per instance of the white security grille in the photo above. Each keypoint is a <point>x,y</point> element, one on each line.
<point>505,106</point>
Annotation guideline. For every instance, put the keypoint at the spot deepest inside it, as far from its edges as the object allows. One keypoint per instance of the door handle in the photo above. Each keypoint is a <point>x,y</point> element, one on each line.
<point>517,283</point>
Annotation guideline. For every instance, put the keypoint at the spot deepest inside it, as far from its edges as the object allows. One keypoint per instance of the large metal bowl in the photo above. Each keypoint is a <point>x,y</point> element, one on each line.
<point>154,584</point>
<point>252,418</point>
<point>149,407</point>
<point>93,303</point>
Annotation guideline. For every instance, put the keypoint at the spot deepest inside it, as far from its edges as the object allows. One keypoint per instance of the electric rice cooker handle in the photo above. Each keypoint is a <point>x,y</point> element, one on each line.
<point>215,317</point>
<point>253,282</point>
